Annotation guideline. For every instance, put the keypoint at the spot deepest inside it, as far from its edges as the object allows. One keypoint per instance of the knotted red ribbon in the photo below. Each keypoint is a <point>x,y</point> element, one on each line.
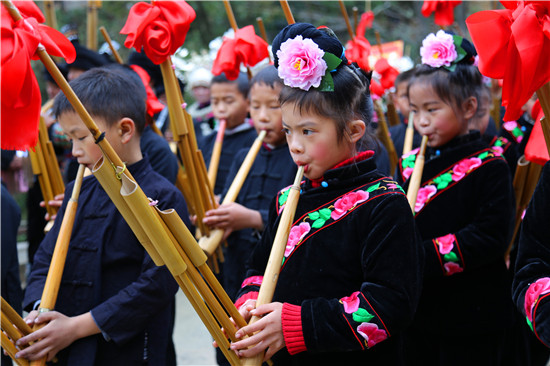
<point>358,49</point>
<point>387,73</point>
<point>153,104</point>
<point>21,100</point>
<point>159,28</point>
<point>513,44</point>
<point>444,11</point>
<point>246,48</point>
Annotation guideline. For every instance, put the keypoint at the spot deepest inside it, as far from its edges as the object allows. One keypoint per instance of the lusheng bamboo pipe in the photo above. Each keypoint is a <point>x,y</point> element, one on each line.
<point>49,14</point>
<point>91,24</point>
<point>216,153</point>
<point>271,274</point>
<point>416,176</point>
<point>496,103</point>
<point>409,134</point>
<point>233,23</point>
<point>346,19</point>
<point>525,181</point>
<point>355,16</point>
<point>543,93</point>
<point>288,13</point>
<point>393,117</point>
<point>116,55</point>
<point>210,243</point>
<point>384,135</point>
<point>15,318</point>
<point>264,34</point>
<point>11,350</point>
<point>57,264</point>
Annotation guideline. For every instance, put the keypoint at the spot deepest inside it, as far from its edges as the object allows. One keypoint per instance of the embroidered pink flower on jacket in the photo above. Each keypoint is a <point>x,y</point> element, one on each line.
<point>295,236</point>
<point>351,302</point>
<point>451,268</point>
<point>347,202</point>
<point>446,243</point>
<point>423,195</point>
<point>510,125</point>
<point>535,290</point>
<point>438,49</point>
<point>497,150</point>
<point>464,166</point>
<point>407,172</point>
<point>371,333</point>
<point>301,63</point>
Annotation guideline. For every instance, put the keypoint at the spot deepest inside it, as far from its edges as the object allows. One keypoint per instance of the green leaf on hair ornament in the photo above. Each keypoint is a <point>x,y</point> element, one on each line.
<point>451,257</point>
<point>362,316</point>
<point>327,84</point>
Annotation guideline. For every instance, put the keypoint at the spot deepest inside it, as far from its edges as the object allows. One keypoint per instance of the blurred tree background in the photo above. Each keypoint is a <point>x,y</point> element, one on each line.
<point>393,19</point>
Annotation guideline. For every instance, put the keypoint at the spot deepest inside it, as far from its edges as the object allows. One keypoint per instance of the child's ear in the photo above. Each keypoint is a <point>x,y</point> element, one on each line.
<point>126,129</point>
<point>469,107</point>
<point>356,130</point>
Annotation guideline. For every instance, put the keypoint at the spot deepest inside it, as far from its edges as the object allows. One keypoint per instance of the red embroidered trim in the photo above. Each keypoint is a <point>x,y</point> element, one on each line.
<point>249,295</point>
<point>254,280</point>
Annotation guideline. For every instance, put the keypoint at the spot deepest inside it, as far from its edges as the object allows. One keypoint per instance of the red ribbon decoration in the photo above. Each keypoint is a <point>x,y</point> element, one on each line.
<point>513,45</point>
<point>358,49</point>
<point>159,28</point>
<point>444,11</point>
<point>536,150</point>
<point>153,104</point>
<point>246,47</point>
<point>387,73</point>
<point>21,100</point>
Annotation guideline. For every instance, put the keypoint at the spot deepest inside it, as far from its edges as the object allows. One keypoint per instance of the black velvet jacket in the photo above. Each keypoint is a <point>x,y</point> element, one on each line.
<point>464,212</point>
<point>353,264</point>
<point>531,282</point>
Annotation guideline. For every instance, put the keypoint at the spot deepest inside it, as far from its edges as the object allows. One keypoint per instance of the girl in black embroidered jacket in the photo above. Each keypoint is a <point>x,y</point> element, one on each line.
<point>464,211</point>
<point>349,281</point>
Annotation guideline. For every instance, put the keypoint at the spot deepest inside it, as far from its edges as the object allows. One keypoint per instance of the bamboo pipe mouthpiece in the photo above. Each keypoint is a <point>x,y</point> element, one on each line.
<point>416,175</point>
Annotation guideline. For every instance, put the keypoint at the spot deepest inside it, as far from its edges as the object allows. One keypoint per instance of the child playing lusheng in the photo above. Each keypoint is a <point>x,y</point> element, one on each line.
<point>272,170</point>
<point>464,211</point>
<point>352,267</point>
<point>115,306</point>
<point>230,102</point>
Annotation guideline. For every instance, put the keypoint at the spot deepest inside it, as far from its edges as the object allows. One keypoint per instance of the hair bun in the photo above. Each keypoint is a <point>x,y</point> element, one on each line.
<point>325,41</point>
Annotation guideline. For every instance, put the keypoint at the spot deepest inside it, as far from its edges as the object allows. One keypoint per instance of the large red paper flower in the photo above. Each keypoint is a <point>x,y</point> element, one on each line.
<point>21,100</point>
<point>246,48</point>
<point>159,28</point>
<point>387,73</point>
<point>358,49</point>
<point>513,44</point>
<point>444,11</point>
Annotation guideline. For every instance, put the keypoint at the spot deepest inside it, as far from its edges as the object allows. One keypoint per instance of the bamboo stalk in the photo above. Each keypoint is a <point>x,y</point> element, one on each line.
<point>543,94</point>
<point>346,19</point>
<point>211,242</point>
<point>11,350</point>
<point>49,14</point>
<point>233,23</point>
<point>384,135</point>
<point>288,13</point>
<point>91,25</point>
<point>393,117</point>
<point>263,33</point>
<point>216,152</point>
<point>55,272</point>
<point>409,135</point>
<point>495,105</point>
<point>355,16</point>
<point>379,42</point>
<point>271,274</point>
<point>15,318</point>
<point>116,55</point>
<point>416,176</point>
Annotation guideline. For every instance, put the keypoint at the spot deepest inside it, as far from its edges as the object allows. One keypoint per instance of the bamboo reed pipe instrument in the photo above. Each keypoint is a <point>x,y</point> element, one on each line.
<point>384,135</point>
<point>57,264</point>
<point>271,274</point>
<point>416,176</point>
<point>210,244</point>
<point>409,134</point>
<point>216,153</point>
<point>116,55</point>
<point>13,328</point>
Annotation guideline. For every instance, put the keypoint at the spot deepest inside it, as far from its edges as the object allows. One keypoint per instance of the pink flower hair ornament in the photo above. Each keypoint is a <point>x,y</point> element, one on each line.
<point>442,50</point>
<point>303,64</point>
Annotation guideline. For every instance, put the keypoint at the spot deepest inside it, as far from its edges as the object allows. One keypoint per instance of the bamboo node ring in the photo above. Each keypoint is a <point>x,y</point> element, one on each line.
<point>100,138</point>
